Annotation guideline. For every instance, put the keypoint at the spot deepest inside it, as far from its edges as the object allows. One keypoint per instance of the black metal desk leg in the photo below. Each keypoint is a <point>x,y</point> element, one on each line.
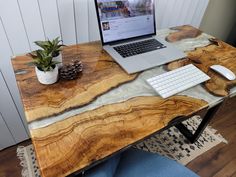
<point>192,137</point>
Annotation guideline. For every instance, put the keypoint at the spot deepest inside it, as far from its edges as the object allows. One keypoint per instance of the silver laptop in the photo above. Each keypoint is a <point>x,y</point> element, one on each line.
<point>128,34</point>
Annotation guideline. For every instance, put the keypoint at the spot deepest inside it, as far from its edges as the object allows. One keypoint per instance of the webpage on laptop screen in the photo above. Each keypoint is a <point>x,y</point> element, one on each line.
<point>125,18</point>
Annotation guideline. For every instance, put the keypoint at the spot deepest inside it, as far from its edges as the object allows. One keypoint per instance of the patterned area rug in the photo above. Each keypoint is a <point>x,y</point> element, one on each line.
<point>170,143</point>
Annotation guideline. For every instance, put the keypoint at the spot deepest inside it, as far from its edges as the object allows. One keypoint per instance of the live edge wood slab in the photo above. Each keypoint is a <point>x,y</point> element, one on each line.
<point>75,123</point>
<point>217,53</point>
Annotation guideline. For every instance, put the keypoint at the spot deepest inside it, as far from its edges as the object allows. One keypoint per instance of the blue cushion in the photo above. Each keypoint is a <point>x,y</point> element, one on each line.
<point>105,169</point>
<point>138,163</point>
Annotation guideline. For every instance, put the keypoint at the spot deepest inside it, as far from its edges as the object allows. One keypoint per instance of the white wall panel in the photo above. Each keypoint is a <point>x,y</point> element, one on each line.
<point>185,15</point>
<point>7,70</point>
<point>93,23</point>
<point>191,11</point>
<point>75,20</point>
<point>32,20</point>
<point>50,18</point>
<point>184,12</point>
<point>14,26</point>
<point>166,18</point>
<point>160,9</point>
<point>67,21</point>
<point>81,20</point>
<point>176,13</point>
<point>10,114</point>
<point>6,138</point>
<point>179,12</point>
<point>201,8</point>
<point>173,10</point>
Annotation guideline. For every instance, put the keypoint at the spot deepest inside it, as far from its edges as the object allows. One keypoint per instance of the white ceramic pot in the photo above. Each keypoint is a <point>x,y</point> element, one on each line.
<point>58,59</point>
<point>49,77</point>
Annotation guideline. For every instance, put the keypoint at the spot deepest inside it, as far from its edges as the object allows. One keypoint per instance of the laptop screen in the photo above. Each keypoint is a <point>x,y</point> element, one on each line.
<point>125,19</point>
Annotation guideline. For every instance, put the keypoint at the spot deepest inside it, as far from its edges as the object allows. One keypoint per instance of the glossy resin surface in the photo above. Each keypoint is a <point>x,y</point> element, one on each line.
<point>74,123</point>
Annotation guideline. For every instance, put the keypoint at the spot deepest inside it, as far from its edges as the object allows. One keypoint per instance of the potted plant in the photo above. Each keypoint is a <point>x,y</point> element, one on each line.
<point>45,67</point>
<point>53,47</point>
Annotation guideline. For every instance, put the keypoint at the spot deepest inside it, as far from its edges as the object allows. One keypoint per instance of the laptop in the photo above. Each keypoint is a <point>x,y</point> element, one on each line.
<point>128,33</point>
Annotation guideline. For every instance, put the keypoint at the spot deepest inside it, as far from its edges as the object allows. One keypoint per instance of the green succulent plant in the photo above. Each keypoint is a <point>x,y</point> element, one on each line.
<point>43,61</point>
<point>51,47</point>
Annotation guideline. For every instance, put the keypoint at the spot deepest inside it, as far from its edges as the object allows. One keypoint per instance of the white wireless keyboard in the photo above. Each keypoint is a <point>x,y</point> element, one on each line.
<point>178,80</point>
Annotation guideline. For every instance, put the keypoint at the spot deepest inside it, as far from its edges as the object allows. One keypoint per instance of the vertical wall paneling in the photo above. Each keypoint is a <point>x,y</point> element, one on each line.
<point>93,23</point>
<point>166,14</point>
<point>32,20</point>
<point>81,20</point>
<point>10,114</point>
<point>173,10</point>
<point>176,12</point>
<point>76,20</point>
<point>7,70</point>
<point>67,21</point>
<point>11,18</point>
<point>6,138</point>
<point>50,18</point>
<point>159,10</point>
<point>196,13</point>
<point>201,8</point>
<point>178,18</point>
<point>184,12</point>
<point>191,11</point>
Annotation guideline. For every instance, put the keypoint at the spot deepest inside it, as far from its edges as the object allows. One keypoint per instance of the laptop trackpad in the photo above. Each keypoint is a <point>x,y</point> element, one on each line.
<point>156,59</point>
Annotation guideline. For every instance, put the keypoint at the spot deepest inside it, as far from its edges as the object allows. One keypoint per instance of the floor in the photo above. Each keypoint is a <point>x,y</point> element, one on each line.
<point>221,160</point>
<point>217,162</point>
<point>9,164</point>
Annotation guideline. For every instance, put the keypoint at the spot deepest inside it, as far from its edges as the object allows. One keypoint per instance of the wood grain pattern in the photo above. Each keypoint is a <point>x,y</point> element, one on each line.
<point>217,53</point>
<point>218,160</point>
<point>183,32</point>
<point>95,134</point>
<point>100,74</point>
<point>75,142</point>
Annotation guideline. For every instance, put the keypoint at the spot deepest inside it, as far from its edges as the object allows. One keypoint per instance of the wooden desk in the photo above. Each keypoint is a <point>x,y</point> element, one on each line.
<point>75,123</point>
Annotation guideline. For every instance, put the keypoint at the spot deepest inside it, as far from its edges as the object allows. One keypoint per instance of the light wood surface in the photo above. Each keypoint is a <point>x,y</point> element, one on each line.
<point>95,134</point>
<point>219,53</point>
<point>217,162</point>
<point>100,74</point>
<point>76,141</point>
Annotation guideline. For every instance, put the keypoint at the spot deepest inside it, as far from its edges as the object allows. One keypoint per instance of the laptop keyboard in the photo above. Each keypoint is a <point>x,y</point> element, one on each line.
<point>136,48</point>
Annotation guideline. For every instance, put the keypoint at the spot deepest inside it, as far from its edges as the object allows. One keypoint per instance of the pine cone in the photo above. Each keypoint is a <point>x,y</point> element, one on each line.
<point>78,65</point>
<point>71,71</point>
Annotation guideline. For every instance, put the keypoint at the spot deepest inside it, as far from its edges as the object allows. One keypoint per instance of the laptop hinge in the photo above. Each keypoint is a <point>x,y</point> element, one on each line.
<point>129,40</point>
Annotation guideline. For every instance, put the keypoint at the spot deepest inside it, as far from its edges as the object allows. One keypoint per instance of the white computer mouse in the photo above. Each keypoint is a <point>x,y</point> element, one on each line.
<point>228,74</point>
